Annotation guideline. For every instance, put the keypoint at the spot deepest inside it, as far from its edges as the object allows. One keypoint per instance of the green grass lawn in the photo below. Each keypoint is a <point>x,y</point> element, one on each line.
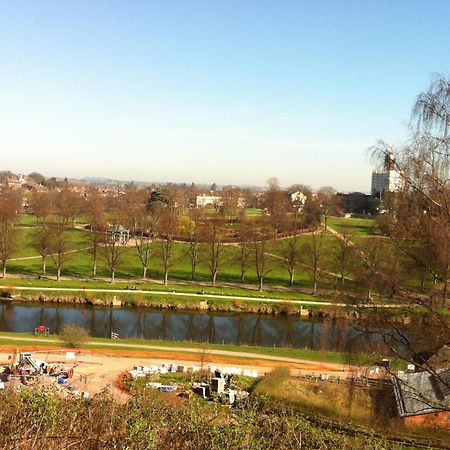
<point>24,241</point>
<point>79,263</point>
<point>355,227</point>
<point>95,342</point>
<point>188,289</point>
<point>253,212</point>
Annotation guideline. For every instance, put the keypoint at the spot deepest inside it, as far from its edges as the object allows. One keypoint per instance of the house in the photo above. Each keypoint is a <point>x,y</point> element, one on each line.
<point>298,200</point>
<point>208,200</point>
<point>423,397</point>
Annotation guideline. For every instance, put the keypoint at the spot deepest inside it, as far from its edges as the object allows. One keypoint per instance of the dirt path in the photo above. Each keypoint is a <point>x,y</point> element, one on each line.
<point>184,350</point>
<point>23,258</point>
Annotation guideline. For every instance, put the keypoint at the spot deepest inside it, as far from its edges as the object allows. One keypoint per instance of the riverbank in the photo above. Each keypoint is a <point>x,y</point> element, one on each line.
<point>181,297</point>
<point>336,361</point>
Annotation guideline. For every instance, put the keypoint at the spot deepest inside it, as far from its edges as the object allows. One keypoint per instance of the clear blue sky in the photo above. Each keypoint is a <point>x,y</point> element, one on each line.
<point>231,92</point>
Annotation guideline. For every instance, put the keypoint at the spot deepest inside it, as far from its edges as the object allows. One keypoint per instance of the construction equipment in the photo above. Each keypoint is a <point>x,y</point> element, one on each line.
<point>28,370</point>
<point>27,365</point>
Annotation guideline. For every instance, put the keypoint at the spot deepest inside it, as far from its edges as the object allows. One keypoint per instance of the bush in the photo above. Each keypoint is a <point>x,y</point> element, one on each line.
<point>7,292</point>
<point>74,335</point>
<point>149,420</point>
<point>273,381</point>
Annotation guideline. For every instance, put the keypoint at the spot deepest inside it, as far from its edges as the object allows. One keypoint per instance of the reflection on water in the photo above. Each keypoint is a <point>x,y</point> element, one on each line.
<point>226,328</point>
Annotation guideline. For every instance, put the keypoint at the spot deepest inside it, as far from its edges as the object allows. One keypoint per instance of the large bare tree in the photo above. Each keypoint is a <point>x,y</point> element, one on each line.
<point>95,210</point>
<point>262,263</point>
<point>214,246</point>
<point>328,202</point>
<point>68,205</point>
<point>113,252</point>
<point>10,203</point>
<point>230,201</point>
<point>343,256</point>
<point>244,255</point>
<point>42,242</point>
<point>277,203</point>
<point>191,228</point>
<point>290,250</point>
<point>312,253</point>
<point>59,246</point>
<point>418,227</point>
<point>168,227</point>
<point>144,235</point>
<point>41,204</point>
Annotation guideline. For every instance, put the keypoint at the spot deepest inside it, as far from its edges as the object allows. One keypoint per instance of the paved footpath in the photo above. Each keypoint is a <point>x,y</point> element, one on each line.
<point>200,296</point>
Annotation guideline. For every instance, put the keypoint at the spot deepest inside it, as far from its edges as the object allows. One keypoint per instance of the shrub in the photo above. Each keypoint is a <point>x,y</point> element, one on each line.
<point>5,293</point>
<point>74,335</point>
<point>273,381</point>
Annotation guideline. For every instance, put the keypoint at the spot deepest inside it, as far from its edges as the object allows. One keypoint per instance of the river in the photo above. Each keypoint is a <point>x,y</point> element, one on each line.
<point>221,328</point>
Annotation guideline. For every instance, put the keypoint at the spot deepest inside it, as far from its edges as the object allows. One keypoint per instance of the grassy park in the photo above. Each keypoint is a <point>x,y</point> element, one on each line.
<point>26,261</point>
<point>25,265</point>
<point>355,227</point>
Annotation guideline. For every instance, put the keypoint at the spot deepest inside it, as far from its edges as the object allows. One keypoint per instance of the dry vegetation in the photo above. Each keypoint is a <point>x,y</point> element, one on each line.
<point>335,400</point>
<point>74,336</point>
<point>149,421</point>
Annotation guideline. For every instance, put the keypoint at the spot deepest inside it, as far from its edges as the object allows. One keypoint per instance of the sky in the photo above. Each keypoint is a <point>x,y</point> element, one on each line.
<point>231,92</point>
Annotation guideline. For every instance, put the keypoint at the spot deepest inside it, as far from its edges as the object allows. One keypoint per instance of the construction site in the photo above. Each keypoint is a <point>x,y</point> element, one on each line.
<point>181,378</point>
<point>86,373</point>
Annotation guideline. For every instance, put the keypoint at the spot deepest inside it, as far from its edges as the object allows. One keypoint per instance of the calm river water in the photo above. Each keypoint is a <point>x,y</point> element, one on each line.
<point>226,328</point>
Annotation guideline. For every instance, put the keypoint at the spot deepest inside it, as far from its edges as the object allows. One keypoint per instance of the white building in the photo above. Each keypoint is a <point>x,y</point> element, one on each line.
<point>208,200</point>
<point>298,199</point>
<point>388,179</point>
<point>382,181</point>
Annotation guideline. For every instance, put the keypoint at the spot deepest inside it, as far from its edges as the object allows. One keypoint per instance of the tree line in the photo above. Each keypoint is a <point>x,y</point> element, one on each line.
<point>156,220</point>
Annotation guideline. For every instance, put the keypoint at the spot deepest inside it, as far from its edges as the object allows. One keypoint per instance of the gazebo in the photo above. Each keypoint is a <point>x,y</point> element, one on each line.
<point>119,234</point>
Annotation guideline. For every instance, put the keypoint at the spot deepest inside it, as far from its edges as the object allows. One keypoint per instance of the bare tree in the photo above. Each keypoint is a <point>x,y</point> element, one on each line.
<point>277,203</point>
<point>290,251</point>
<point>94,207</point>
<point>10,202</point>
<point>134,212</point>
<point>190,227</point>
<point>113,253</point>
<point>214,246</point>
<point>144,235</point>
<point>328,202</point>
<point>245,253</point>
<point>299,194</point>
<point>41,204</point>
<point>132,204</point>
<point>42,242</point>
<point>372,262</point>
<point>68,205</point>
<point>59,246</point>
<point>168,226</point>
<point>343,255</point>
<point>230,200</point>
<point>261,262</point>
<point>418,227</point>
<point>312,252</point>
